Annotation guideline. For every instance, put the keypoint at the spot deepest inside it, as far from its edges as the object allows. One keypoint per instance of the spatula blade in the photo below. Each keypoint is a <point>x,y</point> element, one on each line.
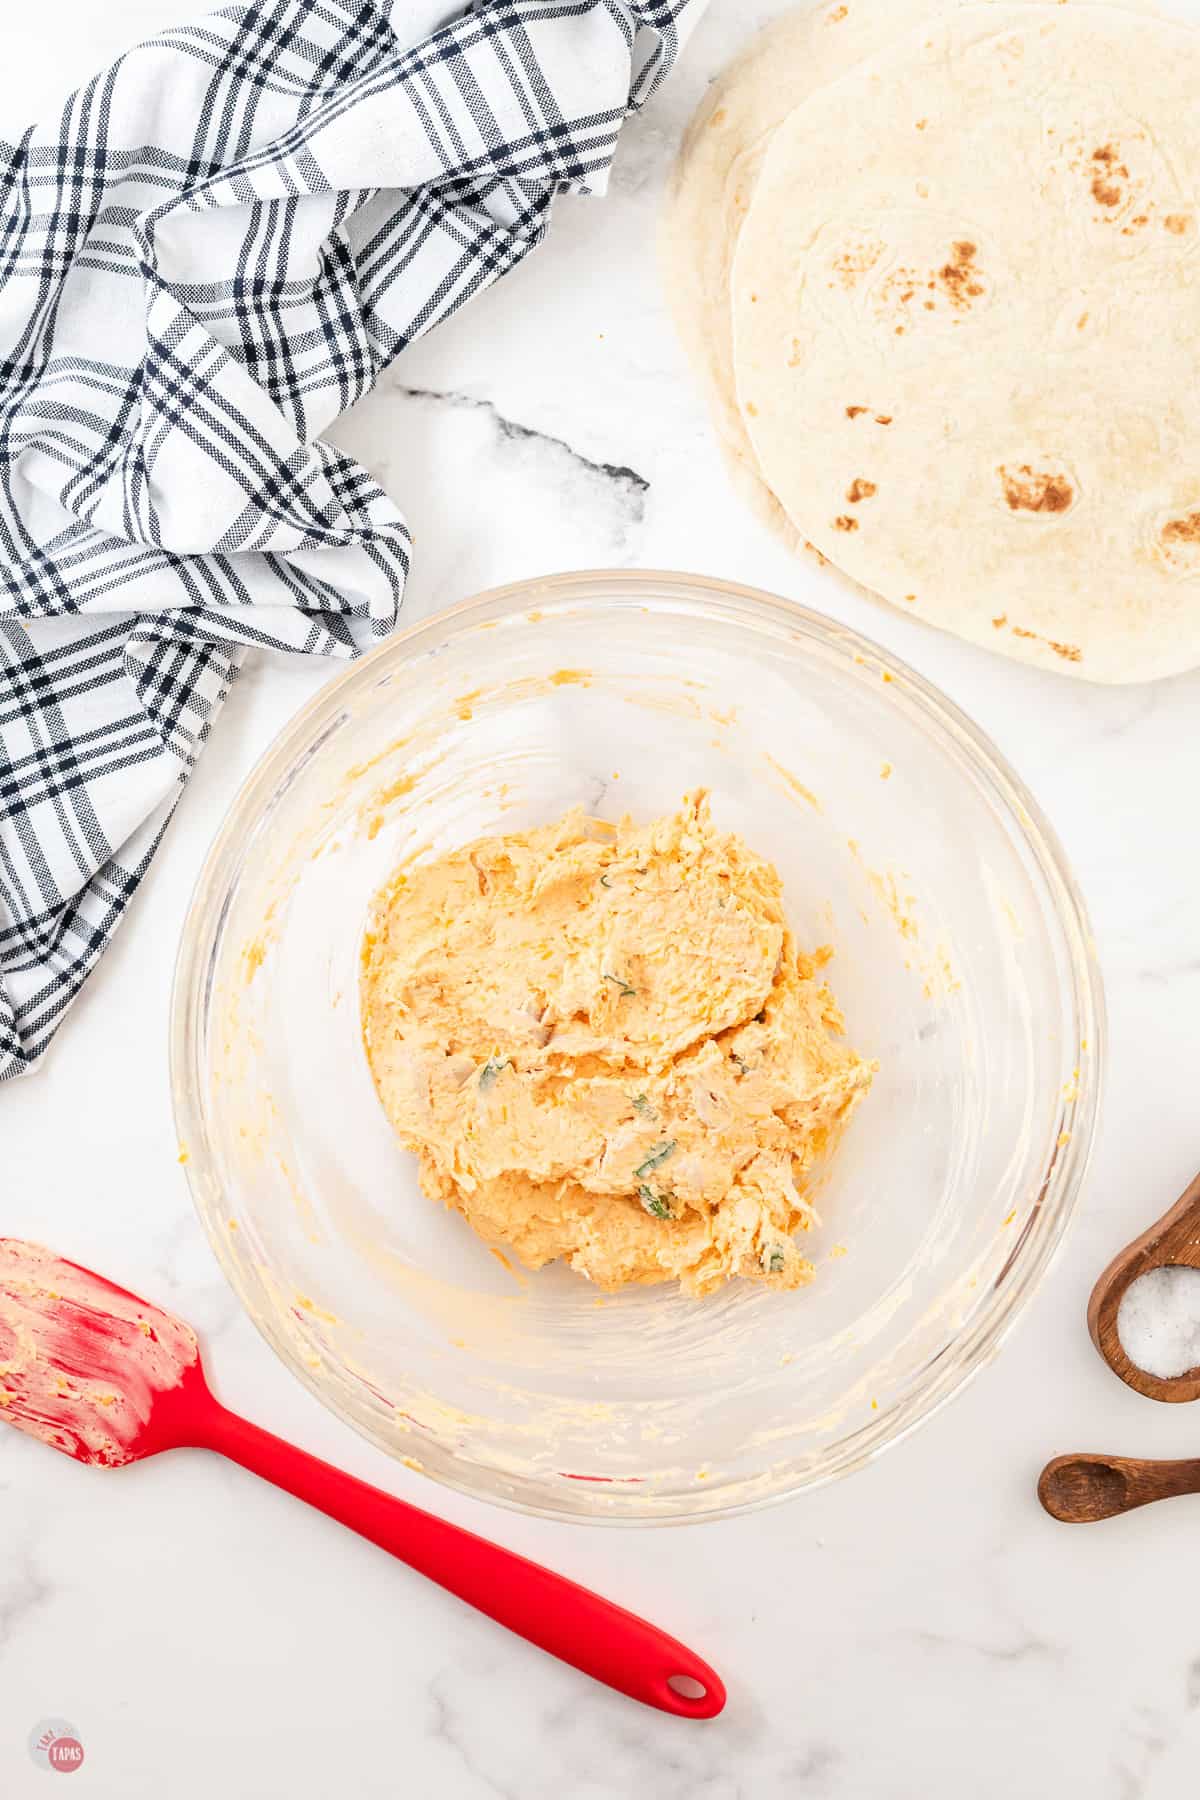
<point>82,1363</point>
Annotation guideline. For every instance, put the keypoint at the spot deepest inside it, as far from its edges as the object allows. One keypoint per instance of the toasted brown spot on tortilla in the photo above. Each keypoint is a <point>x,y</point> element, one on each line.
<point>855,262</point>
<point>752,409</point>
<point>1082,321</point>
<point>852,412</point>
<point>883,418</point>
<point>819,554</point>
<point>719,116</point>
<point>844,522</point>
<point>1106,189</point>
<point>1182,531</point>
<point>1027,489</point>
<point>1001,621</point>
<point>959,277</point>
<point>1177,223</point>
<point>1069,652</point>
<point>921,124</point>
<point>836,17</point>
<point>860,489</point>
<point>910,598</point>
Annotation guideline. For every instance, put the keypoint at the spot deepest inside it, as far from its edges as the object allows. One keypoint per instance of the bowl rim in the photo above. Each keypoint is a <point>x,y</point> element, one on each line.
<point>1053,1208</point>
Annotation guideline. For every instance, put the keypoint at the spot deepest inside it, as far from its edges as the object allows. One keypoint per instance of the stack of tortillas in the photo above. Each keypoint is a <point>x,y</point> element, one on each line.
<point>939,263</point>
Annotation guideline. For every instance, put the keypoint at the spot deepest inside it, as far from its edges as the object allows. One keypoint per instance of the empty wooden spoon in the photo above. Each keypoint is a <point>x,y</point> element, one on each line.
<point>1082,1488</point>
<point>108,1379</point>
<point>1174,1241</point>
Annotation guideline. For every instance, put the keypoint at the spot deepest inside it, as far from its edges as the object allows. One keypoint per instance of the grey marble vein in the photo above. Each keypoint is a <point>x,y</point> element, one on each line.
<point>1174,970</point>
<point>1149,1737</point>
<point>1027,1645</point>
<point>447,1724</point>
<point>632,487</point>
<point>811,1769</point>
<point>24,1591</point>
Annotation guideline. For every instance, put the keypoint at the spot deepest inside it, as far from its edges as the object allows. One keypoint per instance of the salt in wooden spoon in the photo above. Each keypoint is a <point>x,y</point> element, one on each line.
<point>108,1379</point>
<point>1173,1241</point>
<point>1083,1488</point>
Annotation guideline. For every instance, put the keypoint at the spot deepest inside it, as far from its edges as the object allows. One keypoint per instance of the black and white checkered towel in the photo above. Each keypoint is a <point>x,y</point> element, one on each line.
<point>210,253</point>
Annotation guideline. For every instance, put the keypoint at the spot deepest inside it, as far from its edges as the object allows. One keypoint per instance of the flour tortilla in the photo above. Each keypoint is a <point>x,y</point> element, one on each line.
<point>967,332</point>
<point>715,173</point>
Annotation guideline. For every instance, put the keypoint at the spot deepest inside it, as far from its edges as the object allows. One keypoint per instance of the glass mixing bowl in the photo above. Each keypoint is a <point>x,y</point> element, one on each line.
<point>962,963</point>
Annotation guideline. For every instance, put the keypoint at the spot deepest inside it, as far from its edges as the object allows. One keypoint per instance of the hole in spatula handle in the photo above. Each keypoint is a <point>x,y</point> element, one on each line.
<point>687,1687</point>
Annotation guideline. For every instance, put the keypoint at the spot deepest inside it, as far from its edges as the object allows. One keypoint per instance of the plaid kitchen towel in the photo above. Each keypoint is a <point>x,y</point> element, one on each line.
<point>209,254</point>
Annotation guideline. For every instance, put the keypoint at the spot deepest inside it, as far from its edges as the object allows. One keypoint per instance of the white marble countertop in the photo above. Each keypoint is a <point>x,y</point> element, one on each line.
<point>919,1629</point>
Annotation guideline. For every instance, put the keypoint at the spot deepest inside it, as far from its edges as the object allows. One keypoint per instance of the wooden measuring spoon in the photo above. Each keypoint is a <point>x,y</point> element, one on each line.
<point>108,1379</point>
<point>1082,1488</point>
<point>1173,1242</point>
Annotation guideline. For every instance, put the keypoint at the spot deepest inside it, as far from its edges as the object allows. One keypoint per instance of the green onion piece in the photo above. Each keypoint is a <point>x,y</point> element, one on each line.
<point>657,1204</point>
<point>626,991</point>
<point>658,1155</point>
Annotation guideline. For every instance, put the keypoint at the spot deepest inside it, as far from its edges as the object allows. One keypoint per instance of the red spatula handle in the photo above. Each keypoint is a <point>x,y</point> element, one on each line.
<point>557,1615</point>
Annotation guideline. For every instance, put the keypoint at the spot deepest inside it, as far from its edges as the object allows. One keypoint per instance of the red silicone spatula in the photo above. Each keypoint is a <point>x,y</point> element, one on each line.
<point>107,1378</point>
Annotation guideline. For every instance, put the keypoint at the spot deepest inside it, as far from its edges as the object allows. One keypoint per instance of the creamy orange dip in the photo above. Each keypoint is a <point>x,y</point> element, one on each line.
<point>604,1045</point>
